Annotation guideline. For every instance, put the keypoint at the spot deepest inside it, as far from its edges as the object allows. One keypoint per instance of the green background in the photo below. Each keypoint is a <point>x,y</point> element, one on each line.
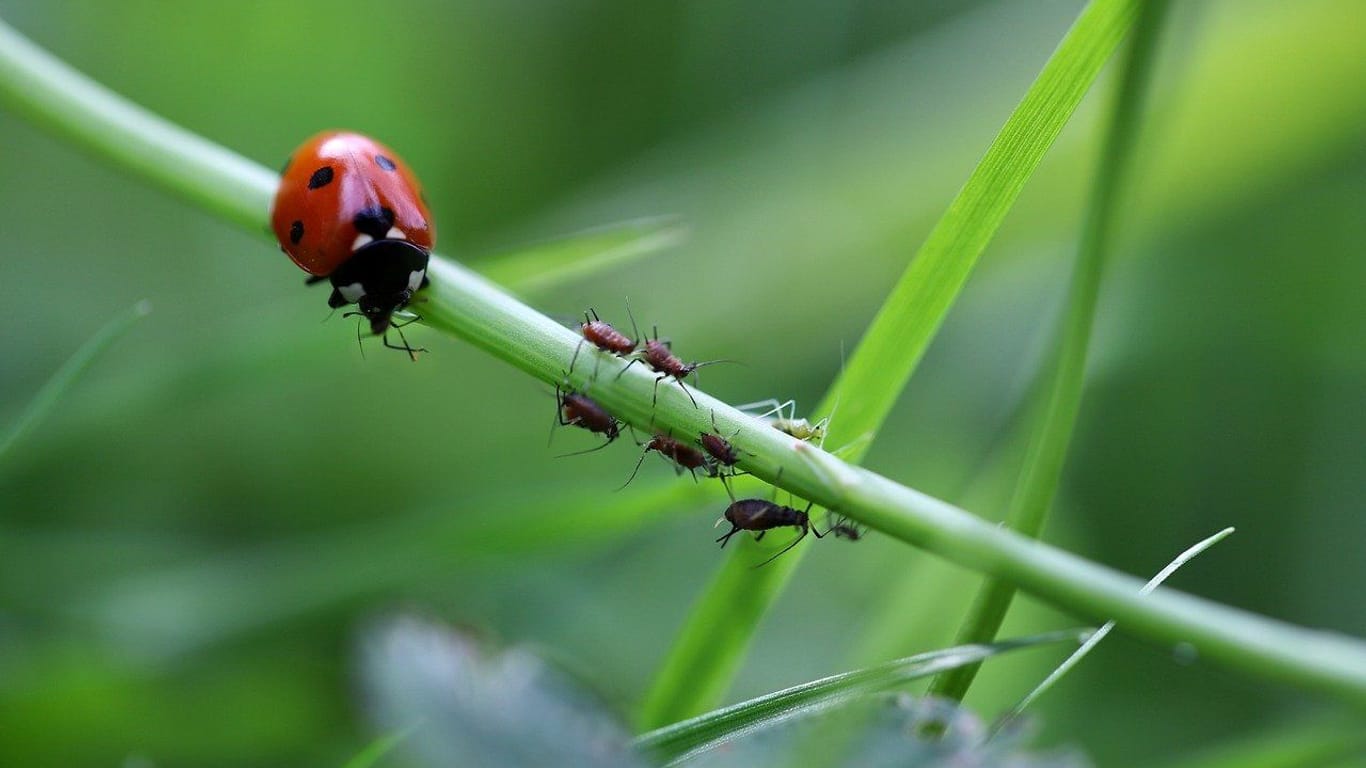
<point>191,546</point>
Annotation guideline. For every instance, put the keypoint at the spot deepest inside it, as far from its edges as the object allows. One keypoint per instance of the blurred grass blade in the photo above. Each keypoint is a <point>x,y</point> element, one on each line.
<point>714,729</point>
<point>544,265</point>
<point>1060,389</point>
<point>508,709</point>
<point>1098,635</point>
<point>719,631</point>
<point>65,376</point>
<point>378,749</point>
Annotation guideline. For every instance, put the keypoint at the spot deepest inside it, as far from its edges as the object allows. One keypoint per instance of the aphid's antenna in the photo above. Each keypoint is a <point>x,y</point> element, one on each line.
<point>635,332</point>
<point>639,461</point>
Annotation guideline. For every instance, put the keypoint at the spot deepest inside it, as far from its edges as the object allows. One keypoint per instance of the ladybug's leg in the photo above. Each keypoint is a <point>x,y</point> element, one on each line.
<point>315,279</point>
<point>336,299</point>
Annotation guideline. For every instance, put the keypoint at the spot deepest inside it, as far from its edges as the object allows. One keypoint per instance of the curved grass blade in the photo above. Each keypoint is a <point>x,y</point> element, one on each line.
<point>52,391</point>
<point>719,631</point>
<point>1060,389</point>
<point>690,737</point>
<point>540,266</point>
<point>1098,635</point>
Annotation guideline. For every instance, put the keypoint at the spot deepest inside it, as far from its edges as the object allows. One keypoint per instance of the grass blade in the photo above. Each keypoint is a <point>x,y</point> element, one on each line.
<point>545,265</point>
<point>1061,387</point>
<point>713,729</point>
<point>1098,635</point>
<point>378,749</point>
<point>718,633</point>
<point>52,391</point>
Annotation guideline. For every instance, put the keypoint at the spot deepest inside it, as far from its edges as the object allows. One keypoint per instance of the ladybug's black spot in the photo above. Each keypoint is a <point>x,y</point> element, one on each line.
<point>384,162</point>
<point>375,222</point>
<point>321,177</point>
<point>296,232</point>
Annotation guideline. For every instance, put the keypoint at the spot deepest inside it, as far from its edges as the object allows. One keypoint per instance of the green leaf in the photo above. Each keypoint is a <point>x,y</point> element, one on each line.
<point>43,402</point>
<point>546,265</point>
<point>1060,388</point>
<point>714,729</point>
<point>718,633</point>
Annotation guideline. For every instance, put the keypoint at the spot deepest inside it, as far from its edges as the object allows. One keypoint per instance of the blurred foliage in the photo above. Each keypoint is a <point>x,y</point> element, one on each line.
<point>188,544</point>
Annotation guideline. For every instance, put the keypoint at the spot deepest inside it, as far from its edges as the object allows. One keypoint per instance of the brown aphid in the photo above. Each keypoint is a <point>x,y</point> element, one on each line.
<point>682,455</point>
<point>718,447</point>
<point>658,355</point>
<point>579,410</point>
<point>763,515</point>
<point>602,335</point>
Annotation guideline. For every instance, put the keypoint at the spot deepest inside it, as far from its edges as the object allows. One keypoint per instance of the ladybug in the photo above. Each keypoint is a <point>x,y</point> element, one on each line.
<point>349,210</point>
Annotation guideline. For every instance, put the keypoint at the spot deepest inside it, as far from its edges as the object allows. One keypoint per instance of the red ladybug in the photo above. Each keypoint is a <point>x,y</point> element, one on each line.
<point>350,211</point>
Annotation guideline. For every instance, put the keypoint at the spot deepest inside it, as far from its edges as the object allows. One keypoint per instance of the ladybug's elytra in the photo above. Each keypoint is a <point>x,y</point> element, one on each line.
<point>349,210</point>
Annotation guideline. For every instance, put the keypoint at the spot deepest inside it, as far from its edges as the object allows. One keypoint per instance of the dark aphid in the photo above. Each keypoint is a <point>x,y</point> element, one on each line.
<point>602,335</point>
<point>579,410</point>
<point>682,455</point>
<point>763,515</point>
<point>658,355</point>
<point>844,528</point>
<point>723,454</point>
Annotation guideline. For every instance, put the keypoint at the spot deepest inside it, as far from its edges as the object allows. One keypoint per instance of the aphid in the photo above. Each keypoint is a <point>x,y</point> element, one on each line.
<point>658,355</point>
<point>763,515</point>
<point>844,528</point>
<point>683,456</point>
<point>603,336</point>
<point>722,453</point>
<point>783,417</point>
<point>350,211</point>
<point>579,410</point>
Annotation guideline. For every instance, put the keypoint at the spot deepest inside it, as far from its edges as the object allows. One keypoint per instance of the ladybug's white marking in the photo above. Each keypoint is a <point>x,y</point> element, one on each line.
<point>352,292</point>
<point>415,279</point>
<point>395,233</point>
<point>360,242</point>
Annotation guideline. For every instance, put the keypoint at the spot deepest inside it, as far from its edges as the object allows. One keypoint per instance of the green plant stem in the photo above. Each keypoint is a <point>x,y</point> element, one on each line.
<point>1051,431</point>
<point>469,307</point>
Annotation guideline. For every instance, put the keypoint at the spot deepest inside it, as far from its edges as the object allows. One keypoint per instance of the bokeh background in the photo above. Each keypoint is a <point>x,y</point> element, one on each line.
<point>189,548</point>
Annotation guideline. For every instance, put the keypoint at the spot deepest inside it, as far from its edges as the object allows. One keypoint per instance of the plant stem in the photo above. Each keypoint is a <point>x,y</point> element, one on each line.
<point>470,307</point>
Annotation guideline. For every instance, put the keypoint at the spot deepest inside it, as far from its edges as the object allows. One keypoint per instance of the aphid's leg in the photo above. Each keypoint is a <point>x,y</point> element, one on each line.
<point>634,360</point>
<point>784,550</point>
<point>358,340</point>
<point>575,359</point>
<point>589,450</point>
<point>654,398</point>
<point>693,472</point>
<point>685,391</point>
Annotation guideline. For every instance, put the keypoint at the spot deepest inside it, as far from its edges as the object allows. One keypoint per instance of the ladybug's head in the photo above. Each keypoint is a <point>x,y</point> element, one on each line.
<point>381,277</point>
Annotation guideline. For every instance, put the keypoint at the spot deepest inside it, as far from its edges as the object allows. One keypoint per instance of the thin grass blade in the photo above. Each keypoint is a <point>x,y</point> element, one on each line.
<point>1060,389</point>
<point>47,397</point>
<point>714,729</point>
<point>719,631</point>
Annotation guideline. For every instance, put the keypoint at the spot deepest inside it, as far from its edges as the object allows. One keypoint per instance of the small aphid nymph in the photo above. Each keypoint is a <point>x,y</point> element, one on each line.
<point>602,335</point>
<point>682,455</point>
